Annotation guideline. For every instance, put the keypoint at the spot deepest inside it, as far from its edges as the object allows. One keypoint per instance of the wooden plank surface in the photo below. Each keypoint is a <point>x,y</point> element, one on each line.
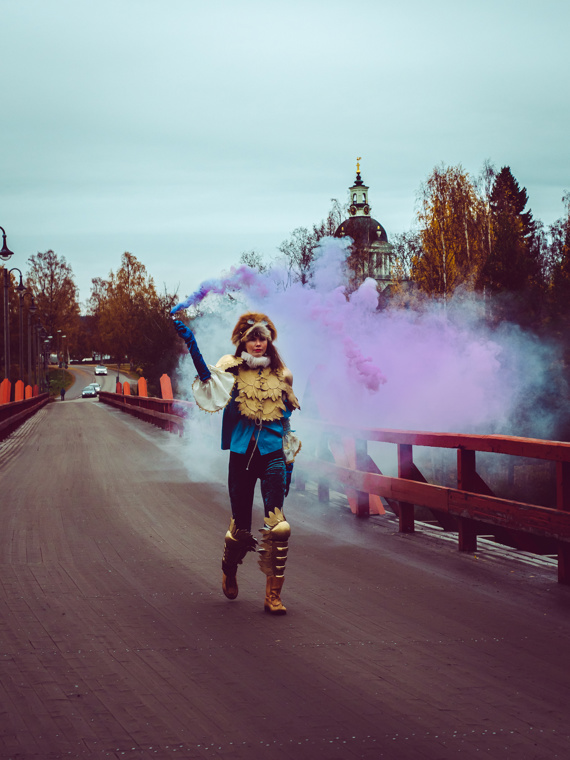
<point>116,641</point>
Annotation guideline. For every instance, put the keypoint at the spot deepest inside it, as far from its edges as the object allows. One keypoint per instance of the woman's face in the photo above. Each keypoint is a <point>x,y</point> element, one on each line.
<point>256,346</point>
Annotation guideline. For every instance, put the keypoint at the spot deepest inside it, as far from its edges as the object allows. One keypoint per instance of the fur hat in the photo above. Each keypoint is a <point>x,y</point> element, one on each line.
<point>253,320</point>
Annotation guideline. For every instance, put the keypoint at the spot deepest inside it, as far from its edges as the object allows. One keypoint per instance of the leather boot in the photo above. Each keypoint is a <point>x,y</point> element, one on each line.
<point>237,544</point>
<point>273,603</point>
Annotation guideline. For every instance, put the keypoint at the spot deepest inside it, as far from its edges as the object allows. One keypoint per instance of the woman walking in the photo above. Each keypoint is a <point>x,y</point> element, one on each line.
<point>255,390</point>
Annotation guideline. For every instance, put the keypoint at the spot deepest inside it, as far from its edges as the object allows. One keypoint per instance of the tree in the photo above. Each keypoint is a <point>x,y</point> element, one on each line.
<point>560,258</point>
<point>254,260</point>
<point>510,265</point>
<point>133,322</point>
<point>50,278</point>
<point>299,251</point>
<point>450,219</point>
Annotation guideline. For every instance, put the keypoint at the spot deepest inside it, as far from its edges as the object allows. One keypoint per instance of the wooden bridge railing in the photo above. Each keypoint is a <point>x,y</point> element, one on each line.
<point>470,508</point>
<point>473,504</point>
<point>168,414</point>
<point>14,413</point>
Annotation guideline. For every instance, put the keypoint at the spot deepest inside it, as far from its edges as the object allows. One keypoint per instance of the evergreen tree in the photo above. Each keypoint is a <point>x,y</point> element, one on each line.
<point>511,265</point>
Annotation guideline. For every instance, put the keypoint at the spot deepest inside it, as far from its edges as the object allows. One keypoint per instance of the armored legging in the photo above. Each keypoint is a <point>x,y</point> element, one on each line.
<point>244,472</point>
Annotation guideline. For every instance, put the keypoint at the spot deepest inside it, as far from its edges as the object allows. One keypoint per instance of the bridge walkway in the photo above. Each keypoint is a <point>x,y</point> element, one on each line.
<point>116,641</point>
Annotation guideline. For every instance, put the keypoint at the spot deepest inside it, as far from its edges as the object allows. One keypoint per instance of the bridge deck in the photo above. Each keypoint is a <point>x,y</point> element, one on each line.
<point>116,641</point>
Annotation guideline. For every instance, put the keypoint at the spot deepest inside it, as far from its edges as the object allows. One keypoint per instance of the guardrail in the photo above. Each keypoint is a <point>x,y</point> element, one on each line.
<point>471,506</point>
<point>14,413</point>
<point>168,414</point>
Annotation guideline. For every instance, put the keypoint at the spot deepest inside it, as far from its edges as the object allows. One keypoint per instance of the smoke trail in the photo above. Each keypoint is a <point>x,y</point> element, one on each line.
<point>241,278</point>
<point>419,369</point>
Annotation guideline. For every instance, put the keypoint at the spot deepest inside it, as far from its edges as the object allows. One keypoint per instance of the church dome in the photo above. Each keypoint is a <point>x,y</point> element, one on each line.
<point>363,230</point>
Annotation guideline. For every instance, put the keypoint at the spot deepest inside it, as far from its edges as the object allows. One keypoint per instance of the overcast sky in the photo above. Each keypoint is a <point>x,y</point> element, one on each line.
<point>187,132</point>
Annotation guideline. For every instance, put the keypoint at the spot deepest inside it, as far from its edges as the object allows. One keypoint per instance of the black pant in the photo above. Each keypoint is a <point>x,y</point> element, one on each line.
<point>244,472</point>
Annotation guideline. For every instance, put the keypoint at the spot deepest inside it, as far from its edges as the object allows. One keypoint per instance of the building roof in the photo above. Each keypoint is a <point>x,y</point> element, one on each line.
<point>363,230</point>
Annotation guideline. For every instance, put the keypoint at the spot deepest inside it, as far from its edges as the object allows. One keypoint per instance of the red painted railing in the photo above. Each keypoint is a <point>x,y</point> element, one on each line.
<point>168,414</point>
<point>469,507</point>
<point>14,413</point>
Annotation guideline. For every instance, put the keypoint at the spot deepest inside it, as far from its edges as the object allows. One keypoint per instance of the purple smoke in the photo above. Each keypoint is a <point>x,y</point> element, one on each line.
<point>431,368</point>
<point>241,278</point>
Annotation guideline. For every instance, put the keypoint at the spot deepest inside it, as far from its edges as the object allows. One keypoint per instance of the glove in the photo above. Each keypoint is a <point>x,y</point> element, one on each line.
<point>288,475</point>
<point>188,336</point>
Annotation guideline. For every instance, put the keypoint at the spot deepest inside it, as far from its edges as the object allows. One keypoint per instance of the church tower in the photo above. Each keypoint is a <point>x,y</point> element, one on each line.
<point>371,253</point>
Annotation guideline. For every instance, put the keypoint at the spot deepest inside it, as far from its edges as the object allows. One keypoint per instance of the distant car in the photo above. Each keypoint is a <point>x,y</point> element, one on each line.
<point>90,391</point>
<point>100,369</point>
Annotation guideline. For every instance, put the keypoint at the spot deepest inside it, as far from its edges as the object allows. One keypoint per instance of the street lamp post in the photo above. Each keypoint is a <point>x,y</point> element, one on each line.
<point>6,254</point>
<point>40,335</point>
<point>21,288</point>
<point>47,349</point>
<point>31,311</point>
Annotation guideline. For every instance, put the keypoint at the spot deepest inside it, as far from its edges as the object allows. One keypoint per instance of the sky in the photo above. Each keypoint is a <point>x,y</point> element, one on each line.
<point>188,132</point>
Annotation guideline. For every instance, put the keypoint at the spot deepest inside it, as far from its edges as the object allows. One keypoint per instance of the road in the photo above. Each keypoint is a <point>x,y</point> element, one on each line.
<point>116,641</point>
<point>85,374</point>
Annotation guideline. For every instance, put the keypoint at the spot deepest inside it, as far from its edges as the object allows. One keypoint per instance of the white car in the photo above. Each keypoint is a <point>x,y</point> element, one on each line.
<point>100,369</point>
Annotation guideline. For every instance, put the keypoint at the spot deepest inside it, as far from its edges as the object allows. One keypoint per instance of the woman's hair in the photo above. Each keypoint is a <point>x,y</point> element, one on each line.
<point>271,352</point>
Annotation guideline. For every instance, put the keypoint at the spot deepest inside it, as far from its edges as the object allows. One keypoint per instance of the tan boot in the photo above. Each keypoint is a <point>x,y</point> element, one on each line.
<point>237,544</point>
<point>273,556</point>
<point>229,585</point>
<point>273,603</point>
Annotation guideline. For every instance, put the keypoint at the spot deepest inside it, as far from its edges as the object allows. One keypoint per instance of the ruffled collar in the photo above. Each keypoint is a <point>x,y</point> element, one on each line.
<point>254,362</point>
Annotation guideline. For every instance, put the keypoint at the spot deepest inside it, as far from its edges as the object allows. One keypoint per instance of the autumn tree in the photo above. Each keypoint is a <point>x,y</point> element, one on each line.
<point>450,219</point>
<point>50,278</point>
<point>133,321</point>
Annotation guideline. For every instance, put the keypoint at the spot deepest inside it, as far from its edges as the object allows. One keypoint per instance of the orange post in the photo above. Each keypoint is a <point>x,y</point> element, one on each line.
<point>19,391</point>
<point>5,390</point>
<point>142,387</point>
<point>126,389</point>
<point>166,387</point>
<point>28,393</point>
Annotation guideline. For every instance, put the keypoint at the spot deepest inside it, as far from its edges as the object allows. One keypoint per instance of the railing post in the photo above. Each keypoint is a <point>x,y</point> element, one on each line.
<point>466,478</point>
<point>563,502</point>
<point>362,497</point>
<point>405,470</point>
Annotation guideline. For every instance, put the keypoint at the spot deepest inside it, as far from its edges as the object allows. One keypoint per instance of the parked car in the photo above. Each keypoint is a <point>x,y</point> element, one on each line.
<point>90,391</point>
<point>100,369</point>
